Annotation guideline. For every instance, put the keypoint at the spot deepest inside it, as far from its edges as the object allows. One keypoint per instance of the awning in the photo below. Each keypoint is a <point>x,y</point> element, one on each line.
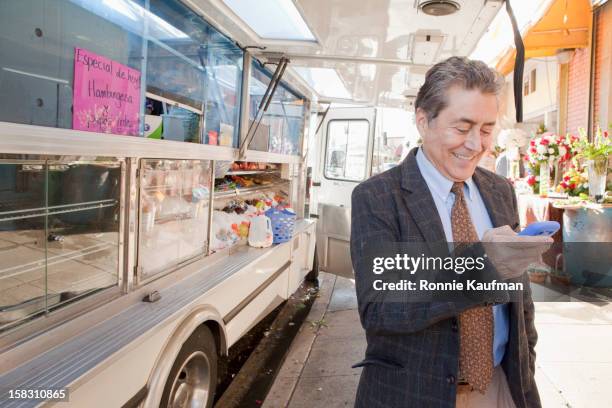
<point>566,24</point>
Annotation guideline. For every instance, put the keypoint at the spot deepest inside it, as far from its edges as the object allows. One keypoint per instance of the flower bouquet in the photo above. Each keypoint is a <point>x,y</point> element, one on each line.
<point>538,273</point>
<point>550,147</point>
<point>575,182</point>
<point>545,151</point>
<point>595,155</point>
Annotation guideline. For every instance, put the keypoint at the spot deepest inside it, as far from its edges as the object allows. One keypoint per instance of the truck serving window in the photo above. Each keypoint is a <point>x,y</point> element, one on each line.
<point>280,130</point>
<point>129,67</point>
<point>347,148</point>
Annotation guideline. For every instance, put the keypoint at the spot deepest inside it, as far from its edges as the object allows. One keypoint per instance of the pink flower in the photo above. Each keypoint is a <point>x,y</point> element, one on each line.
<point>532,142</point>
<point>531,180</point>
<point>545,141</point>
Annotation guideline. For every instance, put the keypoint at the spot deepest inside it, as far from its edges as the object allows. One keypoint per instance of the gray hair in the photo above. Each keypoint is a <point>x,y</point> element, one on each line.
<point>470,74</point>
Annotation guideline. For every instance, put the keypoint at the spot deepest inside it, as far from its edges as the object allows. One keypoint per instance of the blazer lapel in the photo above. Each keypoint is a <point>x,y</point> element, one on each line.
<point>419,201</point>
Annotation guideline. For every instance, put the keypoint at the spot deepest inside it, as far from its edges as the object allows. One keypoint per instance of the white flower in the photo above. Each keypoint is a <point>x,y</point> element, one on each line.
<point>562,150</point>
<point>541,149</point>
<point>551,150</point>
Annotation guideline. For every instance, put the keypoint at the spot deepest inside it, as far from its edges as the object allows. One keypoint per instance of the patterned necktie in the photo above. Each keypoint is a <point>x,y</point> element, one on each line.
<point>475,324</point>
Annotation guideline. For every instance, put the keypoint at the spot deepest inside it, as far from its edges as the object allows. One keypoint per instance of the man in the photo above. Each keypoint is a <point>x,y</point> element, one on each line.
<point>502,165</point>
<point>445,354</point>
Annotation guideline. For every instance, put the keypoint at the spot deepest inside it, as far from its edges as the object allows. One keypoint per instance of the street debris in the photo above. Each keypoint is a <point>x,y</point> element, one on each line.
<point>317,324</point>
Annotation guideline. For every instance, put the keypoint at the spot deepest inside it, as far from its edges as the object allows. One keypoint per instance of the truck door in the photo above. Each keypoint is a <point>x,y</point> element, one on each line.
<point>344,160</point>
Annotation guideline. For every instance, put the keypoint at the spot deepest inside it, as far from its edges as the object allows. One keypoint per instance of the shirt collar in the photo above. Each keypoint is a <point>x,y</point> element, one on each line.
<point>437,183</point>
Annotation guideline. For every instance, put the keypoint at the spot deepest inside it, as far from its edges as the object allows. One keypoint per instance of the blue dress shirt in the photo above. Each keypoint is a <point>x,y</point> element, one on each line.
<point>440,188</point>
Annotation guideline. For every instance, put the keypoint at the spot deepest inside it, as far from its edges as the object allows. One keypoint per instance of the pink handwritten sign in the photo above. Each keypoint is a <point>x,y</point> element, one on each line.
<point>106,95</point>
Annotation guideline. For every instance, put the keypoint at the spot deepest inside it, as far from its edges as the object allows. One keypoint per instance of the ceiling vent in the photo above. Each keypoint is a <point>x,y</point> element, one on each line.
<point>439,7</point>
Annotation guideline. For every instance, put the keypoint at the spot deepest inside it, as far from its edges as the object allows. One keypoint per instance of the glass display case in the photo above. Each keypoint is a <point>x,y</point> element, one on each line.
<point>59,233</point>
<point>246,190</point>
<point>174,203</point>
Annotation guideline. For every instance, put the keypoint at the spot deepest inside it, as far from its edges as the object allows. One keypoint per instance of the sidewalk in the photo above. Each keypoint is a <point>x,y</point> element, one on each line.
<point>574,364</point>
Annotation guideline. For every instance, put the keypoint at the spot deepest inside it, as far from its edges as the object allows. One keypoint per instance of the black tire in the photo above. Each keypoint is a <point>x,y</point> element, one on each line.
<point>195,367</point>
<point>313,275</point>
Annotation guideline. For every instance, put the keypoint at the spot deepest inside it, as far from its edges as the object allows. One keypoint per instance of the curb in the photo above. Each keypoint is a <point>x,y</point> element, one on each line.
<point>288,376</point>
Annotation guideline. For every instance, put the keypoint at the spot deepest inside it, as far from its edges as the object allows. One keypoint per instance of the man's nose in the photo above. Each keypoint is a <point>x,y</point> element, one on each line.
<point>474,140</point>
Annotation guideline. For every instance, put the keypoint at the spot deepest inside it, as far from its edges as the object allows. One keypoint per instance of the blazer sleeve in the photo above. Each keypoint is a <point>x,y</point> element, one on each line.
<point>376,222</point>
<point>528,308</point>
<point>532,334</point>
<point>531,396</point>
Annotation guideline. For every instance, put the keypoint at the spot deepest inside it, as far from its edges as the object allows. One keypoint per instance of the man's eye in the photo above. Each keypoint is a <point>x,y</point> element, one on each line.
<point>463,131</point>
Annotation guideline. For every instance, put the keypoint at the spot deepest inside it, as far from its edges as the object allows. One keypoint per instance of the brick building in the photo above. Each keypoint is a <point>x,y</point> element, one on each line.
<point>589,82</point>
<point>602,82</point>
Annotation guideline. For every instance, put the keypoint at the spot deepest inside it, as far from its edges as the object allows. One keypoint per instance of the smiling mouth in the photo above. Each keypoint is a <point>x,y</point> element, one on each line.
<point>462,157</point>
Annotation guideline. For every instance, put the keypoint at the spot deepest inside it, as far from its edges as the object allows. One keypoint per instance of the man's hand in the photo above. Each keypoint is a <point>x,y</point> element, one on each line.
<point>510,253</point>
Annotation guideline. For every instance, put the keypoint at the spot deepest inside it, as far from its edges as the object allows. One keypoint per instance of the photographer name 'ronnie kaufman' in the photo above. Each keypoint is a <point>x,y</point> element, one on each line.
<point>404,262</point>
<point>425,285</point>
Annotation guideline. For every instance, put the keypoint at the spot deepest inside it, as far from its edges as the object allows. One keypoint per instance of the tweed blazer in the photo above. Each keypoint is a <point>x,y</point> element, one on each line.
<point>412,348</point>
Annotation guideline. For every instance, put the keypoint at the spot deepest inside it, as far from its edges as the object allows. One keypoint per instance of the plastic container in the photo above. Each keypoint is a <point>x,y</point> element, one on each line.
<point>260,232</point>
<point>283,223</point>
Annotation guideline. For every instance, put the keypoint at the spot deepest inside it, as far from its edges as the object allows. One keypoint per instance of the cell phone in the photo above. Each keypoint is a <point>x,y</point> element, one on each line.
<point>545,228</point>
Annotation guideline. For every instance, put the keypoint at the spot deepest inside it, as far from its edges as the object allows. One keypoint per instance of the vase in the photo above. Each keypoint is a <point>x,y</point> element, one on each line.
<point>544,179</point>
<point>598,169</point>
<point>559,170</point>
<point>538,277</point>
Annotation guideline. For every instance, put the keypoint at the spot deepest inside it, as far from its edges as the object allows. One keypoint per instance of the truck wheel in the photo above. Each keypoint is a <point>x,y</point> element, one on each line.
<point>193,377</point>
<point>313,275</point>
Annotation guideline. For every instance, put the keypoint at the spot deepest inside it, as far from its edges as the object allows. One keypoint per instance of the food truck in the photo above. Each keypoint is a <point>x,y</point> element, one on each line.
<point>139,138</point>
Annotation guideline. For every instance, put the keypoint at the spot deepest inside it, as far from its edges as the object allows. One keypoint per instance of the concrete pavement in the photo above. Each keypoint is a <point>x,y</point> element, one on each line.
<point>574,353</point>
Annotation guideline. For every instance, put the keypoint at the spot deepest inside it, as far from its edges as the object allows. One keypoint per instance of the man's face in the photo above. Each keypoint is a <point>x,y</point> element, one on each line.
<point>461,133</point>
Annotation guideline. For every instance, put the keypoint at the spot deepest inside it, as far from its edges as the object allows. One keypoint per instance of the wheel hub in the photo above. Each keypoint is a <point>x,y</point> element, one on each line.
<point>191,384</point>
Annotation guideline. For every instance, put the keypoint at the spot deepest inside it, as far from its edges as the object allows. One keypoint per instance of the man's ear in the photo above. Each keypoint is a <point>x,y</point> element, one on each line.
<point>421,121</point>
